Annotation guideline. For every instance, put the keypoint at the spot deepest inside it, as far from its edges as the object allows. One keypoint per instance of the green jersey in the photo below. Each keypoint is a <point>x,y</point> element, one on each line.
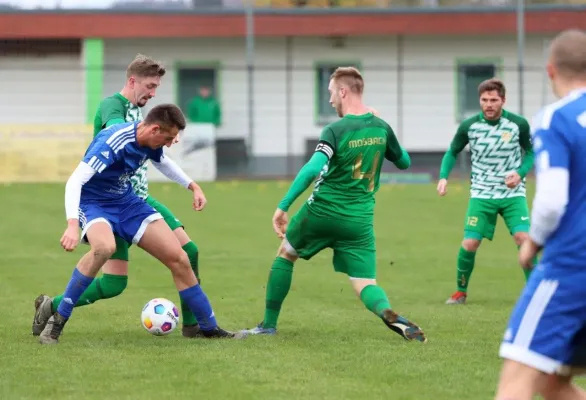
<point>496,150</point>
<point>118,109</point>
<point>355,146</point>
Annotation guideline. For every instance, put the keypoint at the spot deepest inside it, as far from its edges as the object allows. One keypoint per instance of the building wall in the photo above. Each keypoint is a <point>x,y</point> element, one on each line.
<point>419,99</point>
<point>47,90</point>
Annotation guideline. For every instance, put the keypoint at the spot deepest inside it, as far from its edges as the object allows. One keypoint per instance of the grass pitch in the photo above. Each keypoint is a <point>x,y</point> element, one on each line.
<point>329,345</point>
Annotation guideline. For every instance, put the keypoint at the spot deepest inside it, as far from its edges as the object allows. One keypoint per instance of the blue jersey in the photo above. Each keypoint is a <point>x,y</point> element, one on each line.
<point>559,141</point>
<point>115,156</point>
<point>547,328</point>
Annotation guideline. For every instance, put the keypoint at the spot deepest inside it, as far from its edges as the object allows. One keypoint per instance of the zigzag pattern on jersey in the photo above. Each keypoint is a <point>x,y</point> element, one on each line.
<point>139,180</point>
<point>492,158</point>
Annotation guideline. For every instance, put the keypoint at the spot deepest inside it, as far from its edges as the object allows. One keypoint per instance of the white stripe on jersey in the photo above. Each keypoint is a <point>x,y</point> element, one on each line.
<point>121,145</point>
<point>534,311</point>
<point>118,133</point>
<point>93,161</point>
<point>82,217</point>
<point>96,164</point>
<point>121,139</point>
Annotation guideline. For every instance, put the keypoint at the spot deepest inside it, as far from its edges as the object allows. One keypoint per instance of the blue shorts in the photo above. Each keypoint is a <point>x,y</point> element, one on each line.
<point>127,219</point>
<point>547,328</point>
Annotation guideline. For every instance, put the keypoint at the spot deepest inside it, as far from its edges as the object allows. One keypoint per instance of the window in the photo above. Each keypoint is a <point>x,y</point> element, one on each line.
<point>325,113</point>
<point>469,76</point>
<point>191,78</point>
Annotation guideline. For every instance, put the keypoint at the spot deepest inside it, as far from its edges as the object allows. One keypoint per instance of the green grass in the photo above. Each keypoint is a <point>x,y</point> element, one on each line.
<point>329,346</point>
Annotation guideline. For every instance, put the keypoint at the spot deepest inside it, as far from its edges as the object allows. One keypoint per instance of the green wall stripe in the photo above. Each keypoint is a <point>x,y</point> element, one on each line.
<point>93,50</point>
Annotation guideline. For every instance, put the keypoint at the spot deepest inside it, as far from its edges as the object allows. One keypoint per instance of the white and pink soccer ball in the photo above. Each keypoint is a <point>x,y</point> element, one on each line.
<point>160,317</point>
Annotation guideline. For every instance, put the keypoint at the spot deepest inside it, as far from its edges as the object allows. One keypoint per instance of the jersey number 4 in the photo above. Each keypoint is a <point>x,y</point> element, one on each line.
<point>357,172</point>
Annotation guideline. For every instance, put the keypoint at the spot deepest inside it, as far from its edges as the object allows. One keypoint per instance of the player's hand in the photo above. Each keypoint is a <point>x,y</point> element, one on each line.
<point>280,222</point>
<point>442,187</point>
<point>199,198</point>
<point>527,253</point>
<point>512,180</point>
<point>70,238</point>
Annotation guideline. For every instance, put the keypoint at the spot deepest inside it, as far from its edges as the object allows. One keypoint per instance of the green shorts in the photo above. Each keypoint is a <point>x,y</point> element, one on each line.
<point>482,214</point>
<point>353,242</point>
<point>122,245</point>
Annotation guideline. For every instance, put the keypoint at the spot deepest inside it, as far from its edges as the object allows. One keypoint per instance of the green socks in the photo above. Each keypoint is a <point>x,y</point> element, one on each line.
<point>277,288</point>
<point>193,254</point>
<point>375,299</point>
<point>105,287</point>
<point>108,286</point>
<point>465,267</point>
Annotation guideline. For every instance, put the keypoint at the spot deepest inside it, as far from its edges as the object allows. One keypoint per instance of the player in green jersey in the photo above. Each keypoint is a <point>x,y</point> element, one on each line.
<point>502,155</point>
<point>339,213</point>
<point>143,78</point>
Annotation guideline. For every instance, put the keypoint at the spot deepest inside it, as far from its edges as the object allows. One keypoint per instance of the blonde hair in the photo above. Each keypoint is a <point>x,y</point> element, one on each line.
<point>145,67</point>
<point>568,53</point>
<point>350,77</point>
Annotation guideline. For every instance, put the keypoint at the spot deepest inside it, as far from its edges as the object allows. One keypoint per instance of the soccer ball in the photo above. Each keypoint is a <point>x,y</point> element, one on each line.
<point>159,317</point>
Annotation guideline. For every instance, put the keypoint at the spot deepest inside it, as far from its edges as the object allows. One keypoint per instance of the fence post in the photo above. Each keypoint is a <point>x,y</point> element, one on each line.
<point>289,105</point>
<point>521,53</point>
<point>250,74</point>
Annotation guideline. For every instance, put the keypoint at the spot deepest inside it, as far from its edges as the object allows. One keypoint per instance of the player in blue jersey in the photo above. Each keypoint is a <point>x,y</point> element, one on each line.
<point>545,342</point>
<point>100,200</point>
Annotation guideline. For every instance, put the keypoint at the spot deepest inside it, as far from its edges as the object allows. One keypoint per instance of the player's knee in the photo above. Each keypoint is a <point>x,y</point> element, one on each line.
<point>358,284</point>
<point>553,385</point>
<point>103,250</point>
<point>470,244</point>
<point>178,262</point>
<point>287,252</point>
<point>287,256</point>
<point>520,237</point>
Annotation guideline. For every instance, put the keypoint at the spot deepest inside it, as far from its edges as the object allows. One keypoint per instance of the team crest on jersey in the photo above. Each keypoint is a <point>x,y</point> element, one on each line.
<point>506,136</point>
<point>124,178</point>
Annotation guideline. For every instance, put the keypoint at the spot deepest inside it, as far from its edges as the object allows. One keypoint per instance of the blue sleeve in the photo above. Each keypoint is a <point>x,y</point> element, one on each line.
<point>551,146</point>
<point>157,155</point>
<point>99,155</point>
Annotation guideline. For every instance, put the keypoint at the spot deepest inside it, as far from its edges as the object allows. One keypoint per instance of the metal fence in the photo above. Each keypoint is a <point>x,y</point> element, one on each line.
<point>270,129</point>
<point>185,5</point>
<point>272,113</point>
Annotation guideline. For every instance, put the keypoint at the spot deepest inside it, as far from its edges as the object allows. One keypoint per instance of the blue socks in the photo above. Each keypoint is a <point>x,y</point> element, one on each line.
<point>198,303</point>
<point>75,288</point>
<point>195,298</point>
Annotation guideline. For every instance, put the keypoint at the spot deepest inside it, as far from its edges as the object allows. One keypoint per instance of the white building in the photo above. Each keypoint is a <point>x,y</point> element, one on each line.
<point>423,100</point>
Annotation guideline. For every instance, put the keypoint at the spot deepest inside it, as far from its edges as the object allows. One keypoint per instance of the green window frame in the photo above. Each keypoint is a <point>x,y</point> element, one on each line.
<point>469,74</point>
<point>324,112</point>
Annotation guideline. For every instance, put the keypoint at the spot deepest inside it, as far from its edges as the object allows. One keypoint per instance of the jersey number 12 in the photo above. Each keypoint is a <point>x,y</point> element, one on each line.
<point>357,172</point>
